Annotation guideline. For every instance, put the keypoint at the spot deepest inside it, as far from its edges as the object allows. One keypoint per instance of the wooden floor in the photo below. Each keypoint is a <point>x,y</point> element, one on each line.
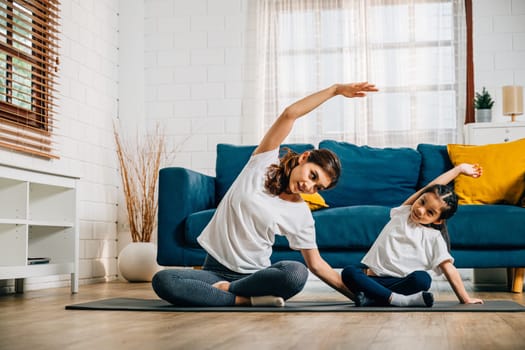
<point>38,320</point>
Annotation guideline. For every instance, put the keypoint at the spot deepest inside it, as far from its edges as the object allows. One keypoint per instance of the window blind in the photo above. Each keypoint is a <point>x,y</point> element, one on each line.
<point>28,72</point>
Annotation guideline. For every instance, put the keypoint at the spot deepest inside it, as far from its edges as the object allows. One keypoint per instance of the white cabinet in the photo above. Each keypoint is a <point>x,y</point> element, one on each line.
<point>38,219</point>
<point>485,133</point>
<point>489,133</point>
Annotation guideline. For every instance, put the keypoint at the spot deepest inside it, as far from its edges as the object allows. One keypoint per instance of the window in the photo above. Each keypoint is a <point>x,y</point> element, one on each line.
<point>28,70</point>
<point>413,50</point>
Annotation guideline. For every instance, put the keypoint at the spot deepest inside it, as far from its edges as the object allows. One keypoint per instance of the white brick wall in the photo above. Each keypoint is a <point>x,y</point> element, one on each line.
<point>90,48</point>
<point>499,48</point>
<point>193,74</point>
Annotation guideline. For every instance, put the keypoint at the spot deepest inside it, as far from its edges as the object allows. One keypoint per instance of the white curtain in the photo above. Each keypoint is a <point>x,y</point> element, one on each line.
<point>413,50</point>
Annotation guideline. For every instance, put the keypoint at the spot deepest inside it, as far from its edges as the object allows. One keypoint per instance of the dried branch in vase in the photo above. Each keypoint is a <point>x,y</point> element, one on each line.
<point>139,170</point>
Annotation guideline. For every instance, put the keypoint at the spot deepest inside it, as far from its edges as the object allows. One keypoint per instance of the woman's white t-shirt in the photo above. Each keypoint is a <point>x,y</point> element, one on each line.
<point>403,247</point>
<point>242,231</point>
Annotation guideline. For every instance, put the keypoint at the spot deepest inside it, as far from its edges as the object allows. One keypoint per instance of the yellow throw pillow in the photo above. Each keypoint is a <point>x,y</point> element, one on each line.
<point>503,179</point>
<point>314,201</point>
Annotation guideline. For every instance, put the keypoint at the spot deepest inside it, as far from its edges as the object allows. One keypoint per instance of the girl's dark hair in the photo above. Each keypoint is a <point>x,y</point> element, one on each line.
<point>278,175</point>
<point>450,198</point>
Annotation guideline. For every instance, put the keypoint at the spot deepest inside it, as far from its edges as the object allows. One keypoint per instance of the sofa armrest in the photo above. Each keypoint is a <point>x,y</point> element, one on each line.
<point>181,193</point>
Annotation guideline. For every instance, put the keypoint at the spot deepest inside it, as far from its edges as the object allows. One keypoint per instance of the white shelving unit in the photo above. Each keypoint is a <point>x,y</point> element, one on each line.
<point>38,219</point>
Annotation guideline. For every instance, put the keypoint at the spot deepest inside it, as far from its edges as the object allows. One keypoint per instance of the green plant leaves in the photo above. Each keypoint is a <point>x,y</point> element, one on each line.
<point>483,100</point>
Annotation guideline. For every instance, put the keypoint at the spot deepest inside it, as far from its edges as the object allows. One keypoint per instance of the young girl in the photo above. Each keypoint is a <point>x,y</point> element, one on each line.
<point>415,240</point>
<point>263,200</point>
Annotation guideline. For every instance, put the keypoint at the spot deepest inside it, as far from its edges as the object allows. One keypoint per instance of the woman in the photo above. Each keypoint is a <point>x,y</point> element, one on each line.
<point>264,200</point>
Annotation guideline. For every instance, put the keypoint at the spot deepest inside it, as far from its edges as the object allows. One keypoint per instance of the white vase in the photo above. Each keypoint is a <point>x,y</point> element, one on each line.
<point>137,262</point>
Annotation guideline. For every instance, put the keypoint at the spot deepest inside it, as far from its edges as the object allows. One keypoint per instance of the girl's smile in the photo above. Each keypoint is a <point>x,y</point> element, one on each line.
<point>426,209</point>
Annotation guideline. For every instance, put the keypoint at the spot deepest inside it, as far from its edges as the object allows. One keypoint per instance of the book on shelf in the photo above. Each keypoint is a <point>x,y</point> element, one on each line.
<point>34,261</point>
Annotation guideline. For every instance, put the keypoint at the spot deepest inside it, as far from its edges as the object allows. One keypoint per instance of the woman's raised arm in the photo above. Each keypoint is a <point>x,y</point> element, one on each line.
<point>282,127</point>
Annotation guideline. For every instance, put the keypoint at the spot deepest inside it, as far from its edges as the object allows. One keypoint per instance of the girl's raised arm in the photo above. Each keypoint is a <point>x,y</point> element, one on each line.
<point>473,170</point>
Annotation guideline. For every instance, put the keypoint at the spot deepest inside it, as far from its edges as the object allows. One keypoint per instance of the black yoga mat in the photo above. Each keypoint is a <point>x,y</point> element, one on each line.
<point>132,304</point>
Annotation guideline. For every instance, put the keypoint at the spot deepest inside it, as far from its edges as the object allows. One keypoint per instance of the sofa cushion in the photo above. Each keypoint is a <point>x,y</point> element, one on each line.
<point>373,176</point>
<point>231,159</point>
<point>352,228</point>
<point>484,227</point>
<point>503,179</point>
<point>490,227</point>
<point>434,162</point>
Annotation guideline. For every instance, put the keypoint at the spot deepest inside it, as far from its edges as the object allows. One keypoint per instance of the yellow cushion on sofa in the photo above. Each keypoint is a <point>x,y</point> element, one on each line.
<point>314,201</point>
<point>503,179</point>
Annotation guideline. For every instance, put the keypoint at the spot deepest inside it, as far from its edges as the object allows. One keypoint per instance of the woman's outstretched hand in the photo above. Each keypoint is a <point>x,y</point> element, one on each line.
<point>355,89</point>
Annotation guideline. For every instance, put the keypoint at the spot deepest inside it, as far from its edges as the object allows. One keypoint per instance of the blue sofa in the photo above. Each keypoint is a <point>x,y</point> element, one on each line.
<point>373,180</point>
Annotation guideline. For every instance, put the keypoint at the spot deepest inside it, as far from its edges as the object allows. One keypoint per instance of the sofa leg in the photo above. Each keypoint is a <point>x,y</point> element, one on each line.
<point>510,277</point>
<point>516,279</point>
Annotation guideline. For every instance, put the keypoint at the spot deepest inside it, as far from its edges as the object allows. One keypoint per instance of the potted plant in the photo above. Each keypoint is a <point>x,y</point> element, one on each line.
<point>483,104</point>
<point>139,164</point>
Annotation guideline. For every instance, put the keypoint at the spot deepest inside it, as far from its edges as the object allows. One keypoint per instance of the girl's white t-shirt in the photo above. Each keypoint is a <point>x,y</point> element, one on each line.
<point>403,247</point>
<point>242,231</point>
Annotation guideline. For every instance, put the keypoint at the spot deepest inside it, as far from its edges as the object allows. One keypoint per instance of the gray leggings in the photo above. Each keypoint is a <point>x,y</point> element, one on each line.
<point>184,287</point>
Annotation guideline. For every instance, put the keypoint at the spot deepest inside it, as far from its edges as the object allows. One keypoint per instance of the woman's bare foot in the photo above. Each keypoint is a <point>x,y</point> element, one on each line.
<point>222,285</point>
<point>225,286</point>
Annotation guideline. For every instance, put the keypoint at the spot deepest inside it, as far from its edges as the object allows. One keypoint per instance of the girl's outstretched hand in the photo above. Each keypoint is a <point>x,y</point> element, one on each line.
<point>473,301</point>
<point>355,89</point>
<point>473,170</point>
